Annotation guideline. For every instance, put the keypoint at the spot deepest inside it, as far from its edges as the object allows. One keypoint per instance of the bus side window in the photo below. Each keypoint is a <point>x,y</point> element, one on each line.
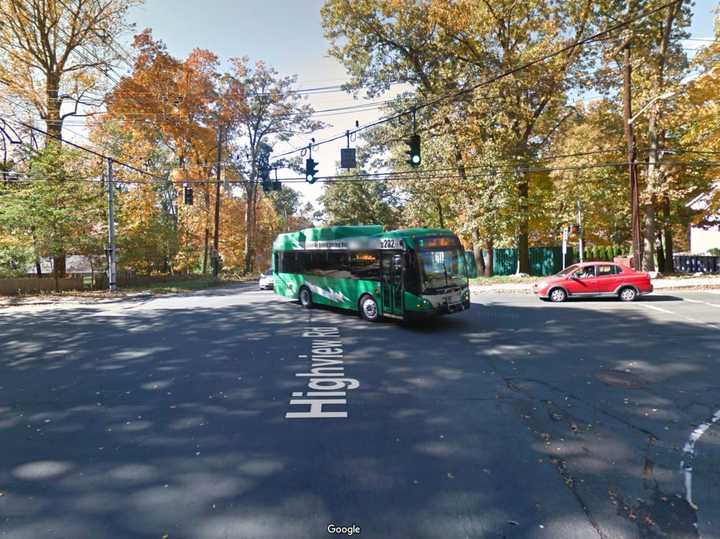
<point>365,265</point>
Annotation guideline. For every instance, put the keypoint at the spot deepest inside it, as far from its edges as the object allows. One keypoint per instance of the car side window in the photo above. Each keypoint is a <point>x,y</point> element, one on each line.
<point>607,269</point>
<point>586,272</point>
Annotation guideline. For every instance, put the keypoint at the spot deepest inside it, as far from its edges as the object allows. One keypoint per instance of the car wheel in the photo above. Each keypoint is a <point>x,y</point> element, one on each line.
<point>305,297</point>
<point>558,295</point>
<point>369,309</point>
<point>628,294</point>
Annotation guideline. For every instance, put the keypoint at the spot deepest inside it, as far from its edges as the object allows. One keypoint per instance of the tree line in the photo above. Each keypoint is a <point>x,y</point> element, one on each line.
<point>529,146</point>
<point>175,119</point>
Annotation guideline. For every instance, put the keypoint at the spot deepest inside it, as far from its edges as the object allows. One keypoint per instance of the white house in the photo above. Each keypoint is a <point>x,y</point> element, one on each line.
<point>706,234</point>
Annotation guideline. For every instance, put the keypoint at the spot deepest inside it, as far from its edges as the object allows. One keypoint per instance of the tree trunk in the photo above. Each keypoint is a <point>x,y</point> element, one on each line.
<point>667,231</point>
<point>649,238</point>
<point>38,267</point>
<point>524,226</point>
<point>489,246</point>
<point>478,253</point>
<point>660,252</point>
<point>250,228</point>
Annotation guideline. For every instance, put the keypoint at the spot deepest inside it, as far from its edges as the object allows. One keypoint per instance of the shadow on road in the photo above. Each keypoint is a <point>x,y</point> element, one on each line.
<point>153,422</point>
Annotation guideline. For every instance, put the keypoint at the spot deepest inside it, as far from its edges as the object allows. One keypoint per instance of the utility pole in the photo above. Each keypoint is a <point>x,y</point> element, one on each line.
<point>580,230</point>
<point>631,152</point>
<point>216,239</point>
<point>112,260</point>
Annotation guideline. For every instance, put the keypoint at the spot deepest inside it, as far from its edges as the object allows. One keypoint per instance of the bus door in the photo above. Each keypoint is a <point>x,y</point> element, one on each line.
<point>392,289</point>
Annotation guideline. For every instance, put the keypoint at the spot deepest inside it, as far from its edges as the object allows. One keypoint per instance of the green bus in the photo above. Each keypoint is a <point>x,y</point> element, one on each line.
<point>400,274</point>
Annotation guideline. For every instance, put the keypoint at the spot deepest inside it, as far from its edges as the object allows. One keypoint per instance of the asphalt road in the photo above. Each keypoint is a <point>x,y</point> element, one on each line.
<point>166,417</point>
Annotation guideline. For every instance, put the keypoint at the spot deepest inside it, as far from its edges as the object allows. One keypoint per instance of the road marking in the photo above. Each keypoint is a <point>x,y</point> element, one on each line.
<point>702,302</point>
<point>659,309</point>
<point>325,379</point>
<point>689,452</point>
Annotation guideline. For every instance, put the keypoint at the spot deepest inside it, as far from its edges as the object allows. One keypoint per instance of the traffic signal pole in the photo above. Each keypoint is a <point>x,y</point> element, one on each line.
<point>216,238</point>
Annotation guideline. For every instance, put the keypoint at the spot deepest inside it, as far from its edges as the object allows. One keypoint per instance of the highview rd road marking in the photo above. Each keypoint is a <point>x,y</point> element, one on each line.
<point>325,379</point>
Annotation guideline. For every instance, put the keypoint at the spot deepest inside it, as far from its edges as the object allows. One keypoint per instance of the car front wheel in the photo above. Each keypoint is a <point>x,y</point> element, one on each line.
<point>558,295</point>
<point>628,294</point>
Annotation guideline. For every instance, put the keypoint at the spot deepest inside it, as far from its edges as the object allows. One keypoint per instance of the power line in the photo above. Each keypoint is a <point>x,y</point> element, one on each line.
<point>495,78</point>
<point>88,150</point>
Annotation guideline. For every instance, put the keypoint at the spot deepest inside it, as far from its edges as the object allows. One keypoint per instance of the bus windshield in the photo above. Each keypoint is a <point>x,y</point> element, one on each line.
<point>441,268</point>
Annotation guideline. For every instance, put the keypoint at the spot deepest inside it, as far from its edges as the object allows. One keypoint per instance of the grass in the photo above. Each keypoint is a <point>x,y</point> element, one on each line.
<point>174,287</point>
<point>504,279</point>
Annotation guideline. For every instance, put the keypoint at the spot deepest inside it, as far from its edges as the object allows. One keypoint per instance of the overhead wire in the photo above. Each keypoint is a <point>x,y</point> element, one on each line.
<point>495,78</point>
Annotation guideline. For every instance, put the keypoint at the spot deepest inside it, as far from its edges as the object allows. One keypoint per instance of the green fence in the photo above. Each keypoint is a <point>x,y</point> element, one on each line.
<point>543,260</point>
<point>549,260</point>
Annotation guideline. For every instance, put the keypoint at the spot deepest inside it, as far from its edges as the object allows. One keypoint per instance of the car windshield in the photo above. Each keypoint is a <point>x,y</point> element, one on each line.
<point>569,270</point>
<point>441,268</point>
<point>268,272</point>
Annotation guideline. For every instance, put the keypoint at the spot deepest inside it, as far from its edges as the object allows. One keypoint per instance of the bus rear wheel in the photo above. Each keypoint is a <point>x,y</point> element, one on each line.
<point>369,309</point>
<point>305,297</point>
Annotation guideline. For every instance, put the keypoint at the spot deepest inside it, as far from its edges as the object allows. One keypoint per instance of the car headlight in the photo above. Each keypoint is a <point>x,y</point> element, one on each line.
<point>542,284</point>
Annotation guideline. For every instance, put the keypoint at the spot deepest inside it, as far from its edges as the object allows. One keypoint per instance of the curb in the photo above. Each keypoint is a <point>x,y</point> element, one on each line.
<point>521,289</point>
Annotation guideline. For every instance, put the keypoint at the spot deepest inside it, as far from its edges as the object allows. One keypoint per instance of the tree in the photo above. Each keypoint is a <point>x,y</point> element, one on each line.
<point>59,209</point>
<point>440,47</point>
<point>260,108</point>
<point>360,202</point>
<point>171,104</point>
<point>54,52</point>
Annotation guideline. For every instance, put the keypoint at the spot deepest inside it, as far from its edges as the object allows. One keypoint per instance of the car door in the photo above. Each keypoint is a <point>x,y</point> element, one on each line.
<point>582,281</point>
<point>607,279</point>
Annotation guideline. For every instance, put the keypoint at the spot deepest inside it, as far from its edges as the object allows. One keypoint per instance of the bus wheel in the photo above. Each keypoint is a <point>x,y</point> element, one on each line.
<point>305,297</point>
<point>369,309</point>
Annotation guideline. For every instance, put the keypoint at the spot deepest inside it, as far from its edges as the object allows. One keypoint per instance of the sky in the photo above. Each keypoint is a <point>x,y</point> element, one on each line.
<point>288,35</point>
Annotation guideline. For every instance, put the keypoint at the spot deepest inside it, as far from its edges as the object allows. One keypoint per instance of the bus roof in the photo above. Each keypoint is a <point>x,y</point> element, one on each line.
<point>296,240</point>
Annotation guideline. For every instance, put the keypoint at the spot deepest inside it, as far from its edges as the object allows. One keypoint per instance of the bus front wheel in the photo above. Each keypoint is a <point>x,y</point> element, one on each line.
<point>305,297</point>
<point>369,309</point>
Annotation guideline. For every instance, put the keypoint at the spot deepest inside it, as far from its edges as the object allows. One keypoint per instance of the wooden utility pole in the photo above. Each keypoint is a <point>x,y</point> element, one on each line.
<point>631,153</point>
<point>111,256</point>
<point>216,238</point>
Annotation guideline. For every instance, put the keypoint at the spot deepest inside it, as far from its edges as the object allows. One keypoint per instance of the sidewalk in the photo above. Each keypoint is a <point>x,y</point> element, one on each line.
<point>672,283</point>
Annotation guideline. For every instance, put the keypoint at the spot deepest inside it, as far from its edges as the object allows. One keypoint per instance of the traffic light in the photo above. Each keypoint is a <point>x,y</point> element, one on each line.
<point>188,195</point>
<point>276,185</point>
<point>310,170</point>
<point>414,157</point>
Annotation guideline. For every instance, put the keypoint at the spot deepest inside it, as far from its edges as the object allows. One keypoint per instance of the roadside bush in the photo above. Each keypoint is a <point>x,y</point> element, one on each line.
<point>15,260</point>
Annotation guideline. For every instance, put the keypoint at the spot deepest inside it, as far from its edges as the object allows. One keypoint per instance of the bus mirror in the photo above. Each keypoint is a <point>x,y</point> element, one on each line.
<point>470,264</point>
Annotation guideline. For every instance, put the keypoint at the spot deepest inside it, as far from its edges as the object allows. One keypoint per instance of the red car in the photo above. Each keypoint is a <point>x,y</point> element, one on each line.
<point>594,279</point>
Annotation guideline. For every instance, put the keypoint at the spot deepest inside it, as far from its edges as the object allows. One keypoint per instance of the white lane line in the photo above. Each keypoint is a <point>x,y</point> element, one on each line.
<point>689,452</point>
<point>654,308</point>
<point>702,302</point>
